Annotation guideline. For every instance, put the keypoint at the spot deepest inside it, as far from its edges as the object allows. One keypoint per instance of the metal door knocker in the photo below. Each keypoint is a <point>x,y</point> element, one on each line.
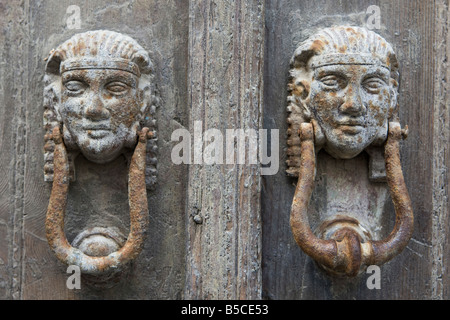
<point>99,101</point>
<point>343,99</point>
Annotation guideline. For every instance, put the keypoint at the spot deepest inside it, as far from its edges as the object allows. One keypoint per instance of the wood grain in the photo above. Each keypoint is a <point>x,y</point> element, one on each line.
<point>225,85</point>
<point>409,26</point>
<point>224,63</point>
<point>441,135</point>
<point>29,270</point>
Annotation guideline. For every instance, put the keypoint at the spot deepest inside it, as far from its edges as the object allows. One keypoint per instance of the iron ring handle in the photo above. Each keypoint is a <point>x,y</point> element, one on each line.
<point>347,254</point>
<point>139,220</point>
<point>386,249</point>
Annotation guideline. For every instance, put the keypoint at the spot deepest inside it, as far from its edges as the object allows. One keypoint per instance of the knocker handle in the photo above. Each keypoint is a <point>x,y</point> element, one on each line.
<point>386,249</point>
<point>323,251</point>
<point>346,254</point>
<point>137,194</point>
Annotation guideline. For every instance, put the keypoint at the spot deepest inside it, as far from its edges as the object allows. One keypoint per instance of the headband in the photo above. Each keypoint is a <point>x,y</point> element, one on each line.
<point>95,63</point>
<point>347,59</point>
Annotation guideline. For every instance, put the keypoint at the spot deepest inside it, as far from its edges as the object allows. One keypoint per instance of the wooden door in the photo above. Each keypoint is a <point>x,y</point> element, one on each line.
<point>99,196</point>
<point>416,29</point>
<point>216,231</point>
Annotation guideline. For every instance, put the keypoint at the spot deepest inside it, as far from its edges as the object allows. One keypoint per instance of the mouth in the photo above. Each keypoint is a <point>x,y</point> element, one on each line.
<point>351,126</point>
<point>97,131</point>
<point>351,129</point>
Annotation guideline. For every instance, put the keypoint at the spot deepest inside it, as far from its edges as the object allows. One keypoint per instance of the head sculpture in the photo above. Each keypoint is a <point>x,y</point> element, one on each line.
<point>100,91</point>
<point>344,80</point>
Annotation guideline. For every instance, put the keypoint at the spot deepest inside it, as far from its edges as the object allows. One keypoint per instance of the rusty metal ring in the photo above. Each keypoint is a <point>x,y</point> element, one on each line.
<point>137,194</point>
<point>346,254</point>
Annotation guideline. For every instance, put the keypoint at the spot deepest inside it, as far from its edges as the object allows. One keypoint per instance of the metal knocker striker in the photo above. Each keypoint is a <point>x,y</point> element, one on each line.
<point>343,99</point>
<point>99,101</point>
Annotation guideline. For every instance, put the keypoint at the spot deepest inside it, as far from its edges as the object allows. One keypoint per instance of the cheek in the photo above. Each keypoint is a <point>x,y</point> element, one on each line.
<point>124,111</point>
<point>378,108</point>
<point>326,103</point>
<point>72,107</point>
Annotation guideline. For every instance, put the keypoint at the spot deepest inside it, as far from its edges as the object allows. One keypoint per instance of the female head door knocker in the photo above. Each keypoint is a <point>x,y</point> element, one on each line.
<point>98,101</point>
<point>343,99</point>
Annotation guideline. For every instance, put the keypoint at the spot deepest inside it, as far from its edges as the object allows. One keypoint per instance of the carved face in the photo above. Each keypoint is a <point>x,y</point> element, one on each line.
<point>351,103</point>
<point>100,109</point>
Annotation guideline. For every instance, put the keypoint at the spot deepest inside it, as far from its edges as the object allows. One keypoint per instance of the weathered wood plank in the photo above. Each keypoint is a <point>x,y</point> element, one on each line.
<point>216,64</point>
<point>409,26</point>
<point>34,273</point>
<point>441,158</point>
<point>12,102</point>
<point>225,84</point>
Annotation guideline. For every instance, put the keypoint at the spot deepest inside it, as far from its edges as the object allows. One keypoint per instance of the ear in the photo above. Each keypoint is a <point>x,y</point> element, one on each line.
<point>319,136</point>
<point>145,98</point>
<point>393,103</point>
<point>302,89</point>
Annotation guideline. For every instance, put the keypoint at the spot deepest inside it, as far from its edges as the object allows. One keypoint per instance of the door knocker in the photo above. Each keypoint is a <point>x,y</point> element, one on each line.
<point>343,99</point>
<point>99,101</point>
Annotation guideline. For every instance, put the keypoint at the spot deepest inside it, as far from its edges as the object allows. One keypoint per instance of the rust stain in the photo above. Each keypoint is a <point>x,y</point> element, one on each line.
<point>300,89</point>
<point>388,60</point>
<point>344,254</point>
<point>138,213</point>
<point>317,45</point>
<point>386,249</point>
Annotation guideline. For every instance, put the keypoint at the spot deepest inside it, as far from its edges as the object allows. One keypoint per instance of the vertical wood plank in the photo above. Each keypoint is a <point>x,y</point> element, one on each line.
<point>13,65</point>
<point>441,158</point>
<point>225,86</point>
<point>409,26</point>
<point>221,48</point>
<point>29,270</point>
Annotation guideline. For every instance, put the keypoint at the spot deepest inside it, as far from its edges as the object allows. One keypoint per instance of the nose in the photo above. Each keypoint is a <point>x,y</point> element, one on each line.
<point>95,109</point>
<point>353,104</point>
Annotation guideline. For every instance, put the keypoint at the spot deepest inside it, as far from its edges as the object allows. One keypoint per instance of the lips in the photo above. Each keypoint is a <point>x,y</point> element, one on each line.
<point>352,122</point>
<point>97,131</point>
<point>96,127</point>
<point>351,126</point>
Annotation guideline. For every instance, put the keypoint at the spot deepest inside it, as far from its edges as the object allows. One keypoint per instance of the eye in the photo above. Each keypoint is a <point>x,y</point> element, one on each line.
<point>333,81</point>
<point>75,87</point>
<point>117,88</point>
<point>373,84</point>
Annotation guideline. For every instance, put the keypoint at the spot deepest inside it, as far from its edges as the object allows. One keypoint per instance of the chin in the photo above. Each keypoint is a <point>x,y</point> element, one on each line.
<point>344,150</point>
<point>102,159</point>
<point>101,152</point>
<point>341,145</point>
